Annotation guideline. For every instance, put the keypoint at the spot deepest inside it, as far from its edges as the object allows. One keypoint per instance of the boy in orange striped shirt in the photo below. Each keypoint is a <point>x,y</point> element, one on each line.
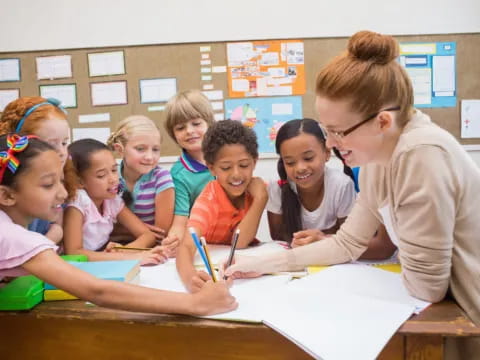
<point>235,199</point>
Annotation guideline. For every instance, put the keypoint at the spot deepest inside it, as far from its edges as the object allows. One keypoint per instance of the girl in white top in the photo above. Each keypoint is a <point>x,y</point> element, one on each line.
<point>89,219</point>
<point>310,199</point>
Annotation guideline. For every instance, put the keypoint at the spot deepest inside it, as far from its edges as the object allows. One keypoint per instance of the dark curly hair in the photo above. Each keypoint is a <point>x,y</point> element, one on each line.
<point>228,132</point>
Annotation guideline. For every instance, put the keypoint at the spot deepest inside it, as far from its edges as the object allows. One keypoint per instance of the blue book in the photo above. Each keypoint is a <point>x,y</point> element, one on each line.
<point>121,270</point>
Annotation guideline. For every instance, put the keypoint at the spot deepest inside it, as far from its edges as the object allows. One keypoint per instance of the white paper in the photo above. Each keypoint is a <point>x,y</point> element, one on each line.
<point>239,53</point>
<point>67,94</point>
<point>205,56</point>
<point>7,96</point>
<point>282,109</point>
<point>269,58</point>
<point>205,62</point>
<point>241,85</point>
<point>93,118</point>
<point>9,69</point>
<point>157,90</point>
<point>295,53</point>
<point>422,85</point>
<point>219,116</point>
<point>100,134</point>
<point>109,93</point>
<point>213,94</point>
<point>207,87</point>
<point>279,90</point>
<point>443,73</point>
<point>414,60</point>
<point>219,69</point>
<point>54,67</point>
<point>276,72</point>
<point>470,119</point>
<point>156,108</point>
<point>217,105</point>
<point>106,63</point>
<point>206,77</point>
<point>204,48</point>
<point>205,70</point>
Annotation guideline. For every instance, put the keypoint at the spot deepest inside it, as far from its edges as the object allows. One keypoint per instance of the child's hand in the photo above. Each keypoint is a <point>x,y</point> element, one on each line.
<point>111,246</point>
<point>308,236</point>
<point>258,189</point>
<point>198,280</point>
<point>242,267</point>
<point>157,255</point>
<point>171,243</point>
<point>213,298</point>
<point>158,232</point>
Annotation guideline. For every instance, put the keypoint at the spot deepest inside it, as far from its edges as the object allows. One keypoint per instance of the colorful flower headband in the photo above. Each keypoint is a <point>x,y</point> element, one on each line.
<point>15,144</point>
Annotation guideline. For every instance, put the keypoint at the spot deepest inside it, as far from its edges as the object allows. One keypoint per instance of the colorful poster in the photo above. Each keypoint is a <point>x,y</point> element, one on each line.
<point>265,116</point>
<point>266,68</point>
<point>431,67</point>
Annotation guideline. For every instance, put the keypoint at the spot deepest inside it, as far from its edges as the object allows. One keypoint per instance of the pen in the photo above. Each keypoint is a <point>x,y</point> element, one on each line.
<point>232,249</point>
<point>130,248</point>
<point>212,272</point>
<point>199,246</point>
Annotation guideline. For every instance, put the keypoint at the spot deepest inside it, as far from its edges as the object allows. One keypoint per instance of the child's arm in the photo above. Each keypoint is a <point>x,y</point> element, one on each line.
<point>164,205</point>
<point>249,224</point>
<point>144,237</point>
<point>73,242</point>
<point>380,246</point>
<point>55,233</point>
<point>213,298</point>
<point>192,279</point>
<point>275,223</point>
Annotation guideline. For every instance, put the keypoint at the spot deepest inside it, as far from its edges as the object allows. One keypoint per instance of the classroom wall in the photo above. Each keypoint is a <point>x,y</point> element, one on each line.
<point>51,24</point>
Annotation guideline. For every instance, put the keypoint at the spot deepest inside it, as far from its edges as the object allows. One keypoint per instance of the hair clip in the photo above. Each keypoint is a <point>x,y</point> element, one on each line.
<point>282,182</point>
<point>15,144</point>
<point>49,101</point>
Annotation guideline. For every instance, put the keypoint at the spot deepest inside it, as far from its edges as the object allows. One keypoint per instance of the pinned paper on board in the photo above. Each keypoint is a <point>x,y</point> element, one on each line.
<point>54,67</point>
<point>7,96</point>
<point>100,134</point>
<point>9,69</point>
<point>106,63</point>
<point>109,93</point>
<point>431,67</point>
<point>470,118</point>
<point>266,68</point>
<point>66,93</point>
<point>157,90</point>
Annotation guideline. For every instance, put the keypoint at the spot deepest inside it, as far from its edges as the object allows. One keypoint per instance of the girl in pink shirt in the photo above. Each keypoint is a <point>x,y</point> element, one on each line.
<point>31,186</point>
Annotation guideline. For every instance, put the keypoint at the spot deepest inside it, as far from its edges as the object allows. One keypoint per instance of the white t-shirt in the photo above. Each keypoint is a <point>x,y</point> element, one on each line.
<point>338,199</point>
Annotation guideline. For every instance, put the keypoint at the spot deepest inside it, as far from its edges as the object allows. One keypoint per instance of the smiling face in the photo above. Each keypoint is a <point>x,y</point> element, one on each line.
<point>361,146</point>
<point>304,158</point>
<point>142,152</point>
<point>39,191</point>
<point>233,168</point>
<point>189,135</point>
<point>100,180</point>
<point>56,132</point>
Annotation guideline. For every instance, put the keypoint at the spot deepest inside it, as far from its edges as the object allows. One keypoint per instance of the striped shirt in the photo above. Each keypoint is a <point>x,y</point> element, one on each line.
<point>145,190</point>
<point>214,215</point>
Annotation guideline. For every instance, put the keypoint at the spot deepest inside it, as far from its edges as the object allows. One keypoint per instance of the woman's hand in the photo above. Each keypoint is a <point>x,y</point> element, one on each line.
<point>243,267</point>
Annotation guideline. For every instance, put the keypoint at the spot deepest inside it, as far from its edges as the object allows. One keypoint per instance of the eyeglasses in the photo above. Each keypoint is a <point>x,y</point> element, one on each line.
<point>339,135</point>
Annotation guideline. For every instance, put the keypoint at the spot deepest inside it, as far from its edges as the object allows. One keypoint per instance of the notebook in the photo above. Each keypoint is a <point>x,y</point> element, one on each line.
<point>121,270</point>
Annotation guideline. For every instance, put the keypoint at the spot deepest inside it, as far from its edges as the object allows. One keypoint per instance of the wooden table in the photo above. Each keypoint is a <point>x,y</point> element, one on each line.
<point>73,330</point>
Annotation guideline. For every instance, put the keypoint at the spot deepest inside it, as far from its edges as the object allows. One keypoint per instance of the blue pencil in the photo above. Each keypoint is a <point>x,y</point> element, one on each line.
<point>199,246</point>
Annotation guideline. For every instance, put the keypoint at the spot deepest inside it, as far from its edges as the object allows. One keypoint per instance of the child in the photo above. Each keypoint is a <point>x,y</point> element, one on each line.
<point>46,119</point>
<point>189,114</point>
<point>235,200</point>
<point>147,188</point>
<point>31,187</point>
<point>90,217</point>
<point>310,199</point>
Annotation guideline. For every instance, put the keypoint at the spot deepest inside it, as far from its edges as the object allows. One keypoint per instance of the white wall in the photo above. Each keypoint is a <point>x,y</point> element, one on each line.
<point>27,25</point>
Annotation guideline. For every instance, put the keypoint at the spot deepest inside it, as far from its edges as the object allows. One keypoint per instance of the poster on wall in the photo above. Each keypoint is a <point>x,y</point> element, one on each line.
<point>266,68</point>
<point>431,67</point>
<point>265,116</point>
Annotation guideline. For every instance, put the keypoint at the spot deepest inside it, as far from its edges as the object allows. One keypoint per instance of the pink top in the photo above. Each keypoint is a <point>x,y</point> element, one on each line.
<point>18,245</point>
<point>97,227</point>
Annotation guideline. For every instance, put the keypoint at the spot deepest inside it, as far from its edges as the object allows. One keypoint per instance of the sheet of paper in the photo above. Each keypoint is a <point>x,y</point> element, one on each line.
<point>93,118</point>
<point>213,94</point>
<point>444,74</point>
<point>205,62</point>
<point>106,63</point>
<point>109,93</point>
<point>205,48</point>
<point>217,105</point>
<point>207,87</point>
<point>157,90</point>
<point>100,134</point>
<point>470,119</point>
<point>206,77</point>
<point>67,94</point>
<point>422,84</point>
<point>8,95</point>
<point>219,116</point>
<point>219,69</point>
<point>9,69</point>
<point>282,109</point>
<point>240,85</point>
<point>156,108</point>
<point>54,67</point>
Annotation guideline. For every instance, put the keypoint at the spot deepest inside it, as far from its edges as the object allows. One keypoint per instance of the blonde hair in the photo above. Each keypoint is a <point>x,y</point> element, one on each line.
<point>185,106</point>
<point>131,126</point>
<point>369,76</point>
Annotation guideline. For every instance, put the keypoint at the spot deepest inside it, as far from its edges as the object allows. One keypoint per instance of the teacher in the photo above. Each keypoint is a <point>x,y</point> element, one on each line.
<point>416,179</point>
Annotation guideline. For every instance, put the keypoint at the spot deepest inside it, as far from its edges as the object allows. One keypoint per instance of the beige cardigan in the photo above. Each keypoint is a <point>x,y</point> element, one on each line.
<point>432,189</point>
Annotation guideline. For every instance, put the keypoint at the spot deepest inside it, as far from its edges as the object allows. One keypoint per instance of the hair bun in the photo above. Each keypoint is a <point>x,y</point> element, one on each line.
<point>373,47</point>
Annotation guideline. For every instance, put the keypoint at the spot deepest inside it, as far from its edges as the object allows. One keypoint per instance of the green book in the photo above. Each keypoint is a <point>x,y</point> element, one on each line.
<point>22,293</point>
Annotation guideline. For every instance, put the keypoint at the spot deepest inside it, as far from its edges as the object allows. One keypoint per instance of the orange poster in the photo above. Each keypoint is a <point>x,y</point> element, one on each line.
<point>266,68</point>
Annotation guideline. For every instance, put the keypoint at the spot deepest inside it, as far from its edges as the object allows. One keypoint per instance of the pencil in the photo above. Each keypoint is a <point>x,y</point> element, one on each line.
<point>232,249</point>
<point>130,248</point>
<point>204,245</point>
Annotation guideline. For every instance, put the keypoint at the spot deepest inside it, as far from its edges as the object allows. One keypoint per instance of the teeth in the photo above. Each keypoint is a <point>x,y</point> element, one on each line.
<point>345,152</point>
<point>237,183</point>
<point>303,176</point>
